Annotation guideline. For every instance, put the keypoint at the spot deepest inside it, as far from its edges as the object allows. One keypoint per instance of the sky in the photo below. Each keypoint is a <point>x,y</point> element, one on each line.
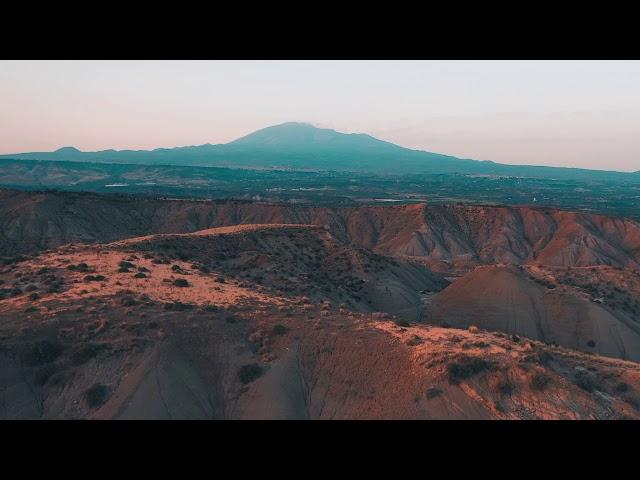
<point>561,113</point>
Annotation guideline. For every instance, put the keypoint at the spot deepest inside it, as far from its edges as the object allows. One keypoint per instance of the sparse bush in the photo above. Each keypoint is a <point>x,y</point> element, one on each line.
<point>140,275</point>
<point>433,392</point>
<point>250,372</point>
<point>585,380</point>
<point>414,341</point>
<point>544,357</point>
<point>127,265</point>
<point>621,387</point>
<point>505,387</point>
<point>180,282</point>
<point>96,395</point>
<point>466,367</point>
<point>279,329</point>
<point>128,301</point>
<point>540,381</point>
<point>179,306</point>
<point>81,267</point>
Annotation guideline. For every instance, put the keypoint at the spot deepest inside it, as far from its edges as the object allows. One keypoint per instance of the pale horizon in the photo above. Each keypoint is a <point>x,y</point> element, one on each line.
<point>583,114</point>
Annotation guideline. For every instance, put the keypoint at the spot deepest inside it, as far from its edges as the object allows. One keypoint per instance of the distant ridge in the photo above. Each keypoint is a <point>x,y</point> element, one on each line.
<point>301,146</point>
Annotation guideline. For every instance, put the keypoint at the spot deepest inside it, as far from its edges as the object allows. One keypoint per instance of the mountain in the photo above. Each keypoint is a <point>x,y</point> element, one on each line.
<point>304,136</point>
<point>304,147</point>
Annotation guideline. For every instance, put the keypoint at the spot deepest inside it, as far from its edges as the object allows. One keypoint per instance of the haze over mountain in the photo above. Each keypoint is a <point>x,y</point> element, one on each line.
<point>302,146</point>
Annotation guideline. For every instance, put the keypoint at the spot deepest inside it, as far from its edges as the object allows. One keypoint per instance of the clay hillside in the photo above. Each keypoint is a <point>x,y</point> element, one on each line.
<point>136,329</point>
<point>116,307</point>
<point>449,237</point>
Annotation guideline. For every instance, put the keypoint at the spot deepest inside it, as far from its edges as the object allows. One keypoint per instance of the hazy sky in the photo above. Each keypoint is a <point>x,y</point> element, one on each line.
<point>565,113</point>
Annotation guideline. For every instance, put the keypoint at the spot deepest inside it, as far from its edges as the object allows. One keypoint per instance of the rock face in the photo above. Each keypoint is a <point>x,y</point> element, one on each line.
<point>456,237</point>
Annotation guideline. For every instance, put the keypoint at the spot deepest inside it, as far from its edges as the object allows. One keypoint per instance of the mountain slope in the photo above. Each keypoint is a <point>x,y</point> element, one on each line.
<point>302,146</point>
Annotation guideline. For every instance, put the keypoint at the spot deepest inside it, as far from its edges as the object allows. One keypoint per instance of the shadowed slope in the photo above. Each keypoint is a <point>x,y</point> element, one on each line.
<point>506,299</point>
